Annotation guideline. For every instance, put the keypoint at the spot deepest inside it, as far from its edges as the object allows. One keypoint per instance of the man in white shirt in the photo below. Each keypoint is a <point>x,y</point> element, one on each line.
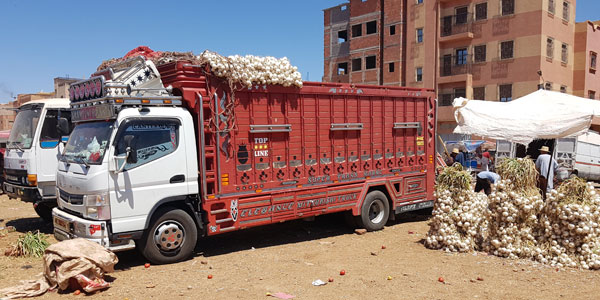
<point>542,163</point>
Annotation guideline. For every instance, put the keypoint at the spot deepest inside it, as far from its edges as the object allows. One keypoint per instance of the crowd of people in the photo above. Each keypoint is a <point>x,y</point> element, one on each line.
<point>545,165</point>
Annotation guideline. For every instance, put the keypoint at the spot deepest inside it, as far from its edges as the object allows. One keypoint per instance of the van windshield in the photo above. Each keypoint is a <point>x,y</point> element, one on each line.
<point>23,129</point>
<point>88,141</point>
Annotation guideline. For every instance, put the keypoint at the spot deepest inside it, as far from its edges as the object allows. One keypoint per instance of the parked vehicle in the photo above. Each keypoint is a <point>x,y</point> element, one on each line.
<point>32,153</point>
<point>160,167</point>
<point>579,156</point>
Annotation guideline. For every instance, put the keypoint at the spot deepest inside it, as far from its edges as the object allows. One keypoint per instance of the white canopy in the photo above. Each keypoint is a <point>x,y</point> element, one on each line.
<point>539,115</point>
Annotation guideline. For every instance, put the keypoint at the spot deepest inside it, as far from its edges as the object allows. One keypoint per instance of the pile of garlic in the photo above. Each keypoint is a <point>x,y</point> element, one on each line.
<point>249,70</point>
<point>513,221</point>
<point>458,222</point>
<point>570,233</point>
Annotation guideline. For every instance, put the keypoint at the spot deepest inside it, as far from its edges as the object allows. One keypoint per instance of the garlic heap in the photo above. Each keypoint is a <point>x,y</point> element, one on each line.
<point>570,231</point>
<point>513,218</point>
<point>249,70</point>
<point>458,214</point>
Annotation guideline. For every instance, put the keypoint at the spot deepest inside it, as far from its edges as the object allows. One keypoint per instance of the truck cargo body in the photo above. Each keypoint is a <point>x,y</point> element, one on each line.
<point>163,167</point>
<point>304,152</point>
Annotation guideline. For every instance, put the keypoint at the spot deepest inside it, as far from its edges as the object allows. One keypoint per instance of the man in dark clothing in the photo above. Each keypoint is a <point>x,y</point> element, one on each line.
<point>485,180</point>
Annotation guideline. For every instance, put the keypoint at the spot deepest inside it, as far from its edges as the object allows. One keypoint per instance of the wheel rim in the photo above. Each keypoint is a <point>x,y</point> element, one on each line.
<point>376,211</point>
<point>169,235</point>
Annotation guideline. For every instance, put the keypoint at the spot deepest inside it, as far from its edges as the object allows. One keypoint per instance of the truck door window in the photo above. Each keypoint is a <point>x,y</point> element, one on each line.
<point>49,137</point>
<point>152,140</point>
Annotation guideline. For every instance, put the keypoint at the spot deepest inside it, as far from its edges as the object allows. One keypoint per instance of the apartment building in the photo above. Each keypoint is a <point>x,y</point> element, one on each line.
<point>495,50</point>
<point>586,82</point>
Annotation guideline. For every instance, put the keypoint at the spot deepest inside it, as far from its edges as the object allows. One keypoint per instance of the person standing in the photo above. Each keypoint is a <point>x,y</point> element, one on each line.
<point>547,169</point>
<point>485,161</point>
<point>458,157</point>
<point>485,180</point>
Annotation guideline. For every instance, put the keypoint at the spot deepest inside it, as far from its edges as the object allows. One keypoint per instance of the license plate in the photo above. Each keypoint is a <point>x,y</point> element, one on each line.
<point>62,224</point>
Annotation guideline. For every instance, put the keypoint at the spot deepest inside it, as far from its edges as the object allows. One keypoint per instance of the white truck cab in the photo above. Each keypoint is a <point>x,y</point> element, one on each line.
<point>32,153</point>
<point>129,154</point>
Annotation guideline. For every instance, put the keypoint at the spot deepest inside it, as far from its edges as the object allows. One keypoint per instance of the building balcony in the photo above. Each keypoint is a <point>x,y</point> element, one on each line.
<point>456,28</point>
<point>455,68</point>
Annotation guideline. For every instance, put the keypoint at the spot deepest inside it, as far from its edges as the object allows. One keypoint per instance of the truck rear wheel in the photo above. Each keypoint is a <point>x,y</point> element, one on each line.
<point>374,212</point>
<point>44,211</point>
<point>171,237</point>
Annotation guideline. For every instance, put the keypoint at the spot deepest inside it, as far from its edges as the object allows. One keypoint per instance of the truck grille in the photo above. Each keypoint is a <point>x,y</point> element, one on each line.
<point>71,198</point>
<point>16,176</point>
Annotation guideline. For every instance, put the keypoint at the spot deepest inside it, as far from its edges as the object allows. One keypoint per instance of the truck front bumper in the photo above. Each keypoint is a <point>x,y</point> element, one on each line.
<point>26,193</point>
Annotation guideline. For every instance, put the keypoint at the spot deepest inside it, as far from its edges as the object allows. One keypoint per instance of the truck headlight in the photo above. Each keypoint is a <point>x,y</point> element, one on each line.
<point>97,206</point>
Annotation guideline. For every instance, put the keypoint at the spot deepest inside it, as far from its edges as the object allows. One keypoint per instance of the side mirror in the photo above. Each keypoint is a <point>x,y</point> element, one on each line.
<point>62,126</point>
<point>131,149</point>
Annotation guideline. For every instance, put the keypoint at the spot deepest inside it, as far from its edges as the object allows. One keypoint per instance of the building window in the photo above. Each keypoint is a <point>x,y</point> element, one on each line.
<point>550,47</point>
<point>563,88</point>
<point>357,30</point>
<point>592,94</point>
<point>480,53</point>
<point>391,67</point>
<point>419,74</point>
<point>481,11</point>
<point>505,92</point>
<point>508,7</point>
<point>506,50</point>
<point>565,53</point>
<point>370,62</point>
<point>342,68</point>
<point>461,56</point>
<point>419,35</point>
<point>548,86</point>
<point>356,64</point>
<point>342,36</point>
<point>393,30</point>
<point>419,1</point>
<point>461,14</point>
<point>551,6</point>
<point>479,93</point>
<point>593,59</point>
<point>460,92</point>
<point>566,10</point>
<point>371,27</point>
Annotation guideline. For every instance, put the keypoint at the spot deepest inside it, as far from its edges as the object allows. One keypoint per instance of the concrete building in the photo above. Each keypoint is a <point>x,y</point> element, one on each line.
<point>487,50</point>
<point>587,47</point>
<point>62,85</point>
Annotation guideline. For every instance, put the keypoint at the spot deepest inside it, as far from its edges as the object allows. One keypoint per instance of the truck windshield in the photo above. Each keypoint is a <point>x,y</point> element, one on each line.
<point>88,142</point>
<point>23,129</point>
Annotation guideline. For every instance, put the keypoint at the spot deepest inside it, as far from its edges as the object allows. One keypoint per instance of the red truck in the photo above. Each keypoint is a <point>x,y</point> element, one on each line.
<point>189,158</point>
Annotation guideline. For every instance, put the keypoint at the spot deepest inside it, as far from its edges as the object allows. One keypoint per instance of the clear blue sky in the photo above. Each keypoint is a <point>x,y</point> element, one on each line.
<point>43,39</point>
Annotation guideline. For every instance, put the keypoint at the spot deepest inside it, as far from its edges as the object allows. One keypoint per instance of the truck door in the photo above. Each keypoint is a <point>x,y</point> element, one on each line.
<point>48,153</point>
<point>156,173</point>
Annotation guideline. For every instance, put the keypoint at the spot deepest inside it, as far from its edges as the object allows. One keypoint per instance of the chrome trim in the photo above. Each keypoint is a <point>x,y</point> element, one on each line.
<point>346,126</point>
<point>270,128</point>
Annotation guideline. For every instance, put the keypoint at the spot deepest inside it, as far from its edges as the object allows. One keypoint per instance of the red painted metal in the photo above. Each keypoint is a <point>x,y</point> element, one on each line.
<point>261,178</point>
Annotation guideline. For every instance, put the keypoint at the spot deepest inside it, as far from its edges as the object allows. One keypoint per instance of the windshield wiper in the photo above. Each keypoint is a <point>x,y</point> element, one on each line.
<point>83,161</point>
<point>16,145</point>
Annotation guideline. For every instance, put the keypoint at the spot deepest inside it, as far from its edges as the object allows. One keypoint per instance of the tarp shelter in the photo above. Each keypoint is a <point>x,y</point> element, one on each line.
<point>539,115</point>
<point>469,145</point>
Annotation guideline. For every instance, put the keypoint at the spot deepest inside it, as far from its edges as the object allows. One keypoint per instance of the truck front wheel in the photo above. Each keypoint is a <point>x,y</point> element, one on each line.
<point>171,237</point>
<point>374,212</point>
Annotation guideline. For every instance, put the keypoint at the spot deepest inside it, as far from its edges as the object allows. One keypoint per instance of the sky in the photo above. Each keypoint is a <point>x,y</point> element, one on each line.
<point>41,40</point>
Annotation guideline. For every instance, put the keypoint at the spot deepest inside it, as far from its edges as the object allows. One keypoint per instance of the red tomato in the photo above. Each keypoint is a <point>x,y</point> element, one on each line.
<point>330,279</point>
<point>77,292</point>
<point>441,279</point>
<point>209,276</point>
<point>343,272</point>
<point>146,265</point>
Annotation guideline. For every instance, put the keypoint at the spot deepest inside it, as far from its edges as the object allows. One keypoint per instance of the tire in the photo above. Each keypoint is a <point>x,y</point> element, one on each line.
<point>374,212</point>
<point>44,211</point>
<point>171,237</point>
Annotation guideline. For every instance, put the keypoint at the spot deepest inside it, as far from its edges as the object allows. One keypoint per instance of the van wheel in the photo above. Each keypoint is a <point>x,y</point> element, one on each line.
<point>374,212</point>
<point>44,211</point>
<point>171,237</point>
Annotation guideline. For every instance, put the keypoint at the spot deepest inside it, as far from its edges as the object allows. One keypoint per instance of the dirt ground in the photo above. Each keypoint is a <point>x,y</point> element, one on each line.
<point>288,257</point>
